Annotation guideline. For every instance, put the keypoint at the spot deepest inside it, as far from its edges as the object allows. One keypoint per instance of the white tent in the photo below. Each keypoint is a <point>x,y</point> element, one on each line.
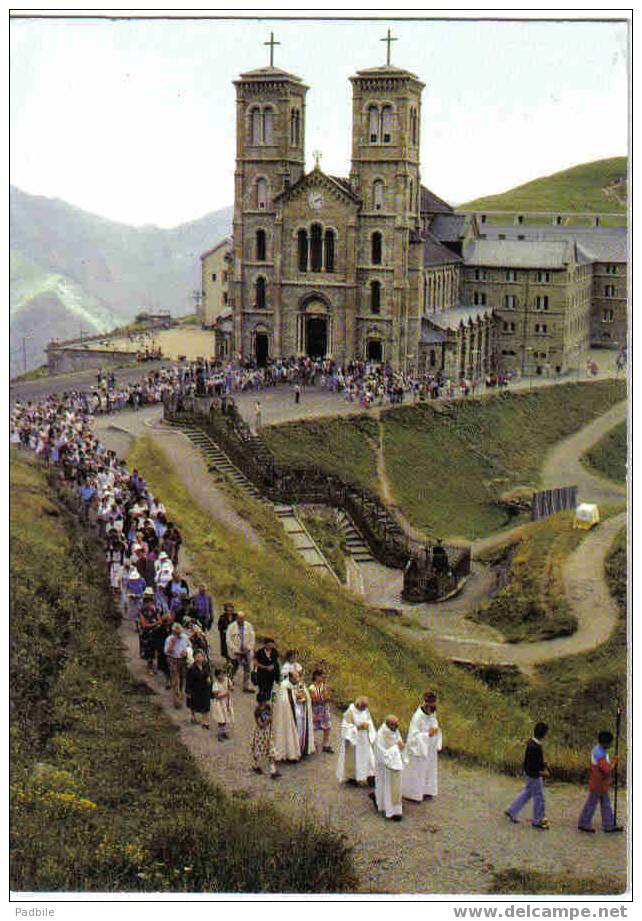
<point>586,516</point>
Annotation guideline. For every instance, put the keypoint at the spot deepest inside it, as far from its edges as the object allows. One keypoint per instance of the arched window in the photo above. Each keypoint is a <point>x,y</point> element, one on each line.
<point>255,126</point>
<point>373,124</point>
<point>260,292</point>
<point>411,194</point>
<point>295,123</point>
<point>302,250</point>
<point>386,124</point>
<point>376,248</point>
<point>375,296</point>
<point>268,122</point>
<point>261,193</point>
<point>413,126</point>
<point>261,246</point>
<point>377,194</point>
<point>329,251</point>
<point>316,248</point>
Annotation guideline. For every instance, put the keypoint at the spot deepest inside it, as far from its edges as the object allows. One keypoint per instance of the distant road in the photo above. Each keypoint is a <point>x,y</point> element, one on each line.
<point>77,380</point>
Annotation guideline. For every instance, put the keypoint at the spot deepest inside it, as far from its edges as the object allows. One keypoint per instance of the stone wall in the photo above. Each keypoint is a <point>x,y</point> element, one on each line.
<point>62,360</point>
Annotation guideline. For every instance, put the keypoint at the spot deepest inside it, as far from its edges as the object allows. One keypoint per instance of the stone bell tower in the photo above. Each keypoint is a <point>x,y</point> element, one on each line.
<point>270,156</point>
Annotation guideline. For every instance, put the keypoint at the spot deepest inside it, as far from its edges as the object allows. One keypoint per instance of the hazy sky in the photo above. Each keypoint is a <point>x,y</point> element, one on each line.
<point>135,120</point>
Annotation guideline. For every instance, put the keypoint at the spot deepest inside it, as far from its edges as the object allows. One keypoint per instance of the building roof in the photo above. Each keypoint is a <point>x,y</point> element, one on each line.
<point>435,253</point>
<point>385,71</point>
<point>448,228</point>
<point>451,319</point>
<point>225,241</point>
<point>600,244</point>
<point>430,334</point>
<point>524,254</point>
<point>432,203</point>
<point>342,185</point>
<point>269,73</point>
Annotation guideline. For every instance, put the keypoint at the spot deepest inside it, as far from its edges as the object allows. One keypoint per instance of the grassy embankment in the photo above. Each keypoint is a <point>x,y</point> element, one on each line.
<point>449,464</point>
<point>608,457</point>
<point>323,622</point>
<point>323,526</point>
<point>104,796</point>
<point>597,186</point>
<point>576,694</point>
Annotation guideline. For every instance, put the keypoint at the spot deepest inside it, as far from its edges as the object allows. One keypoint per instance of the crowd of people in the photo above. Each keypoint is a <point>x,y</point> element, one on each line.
<point>292,715</point>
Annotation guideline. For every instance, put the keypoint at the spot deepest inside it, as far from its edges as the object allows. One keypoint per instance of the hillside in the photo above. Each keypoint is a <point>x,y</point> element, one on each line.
<point>71,269</point>
<point>598,186</point>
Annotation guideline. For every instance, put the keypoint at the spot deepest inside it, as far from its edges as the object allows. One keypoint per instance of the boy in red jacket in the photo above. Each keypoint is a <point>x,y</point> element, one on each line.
<point>599,785</point>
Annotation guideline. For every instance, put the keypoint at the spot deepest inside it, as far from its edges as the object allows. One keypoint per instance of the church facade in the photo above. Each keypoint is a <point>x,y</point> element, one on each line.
<point>374,266</point>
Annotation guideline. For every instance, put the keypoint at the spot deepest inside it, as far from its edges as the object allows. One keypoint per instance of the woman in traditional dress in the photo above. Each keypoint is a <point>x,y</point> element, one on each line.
<point>320,700</point>
<point>263,753</point>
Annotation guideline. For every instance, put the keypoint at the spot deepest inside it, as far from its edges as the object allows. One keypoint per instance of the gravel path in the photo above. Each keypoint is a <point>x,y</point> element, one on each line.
<point>449,845</point>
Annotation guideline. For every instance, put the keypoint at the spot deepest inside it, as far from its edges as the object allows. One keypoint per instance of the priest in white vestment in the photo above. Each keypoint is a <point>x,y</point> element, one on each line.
<point>356,757</point>
<point>292,733</point>
<point>389,766</point>
<point>423,742</point>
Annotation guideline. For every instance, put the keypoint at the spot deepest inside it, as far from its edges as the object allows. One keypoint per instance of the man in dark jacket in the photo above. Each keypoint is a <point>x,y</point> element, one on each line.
<point>224,621</point>
<point>535,771</point>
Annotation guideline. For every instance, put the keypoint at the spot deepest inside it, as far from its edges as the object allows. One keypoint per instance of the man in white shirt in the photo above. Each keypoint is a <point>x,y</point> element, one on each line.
<point>240,640</point>
<point>356,757</point>
<point>423,742</point>
<point>389,766</point>
<point>176,650</point>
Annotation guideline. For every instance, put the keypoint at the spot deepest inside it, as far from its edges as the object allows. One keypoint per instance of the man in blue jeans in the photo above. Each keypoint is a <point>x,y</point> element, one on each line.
<point>535,771</point>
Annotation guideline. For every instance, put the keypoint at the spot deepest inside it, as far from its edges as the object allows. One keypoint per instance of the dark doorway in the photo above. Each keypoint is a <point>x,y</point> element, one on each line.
<point>317,337</point>
<point>262,349</point>
<point>375,350</point>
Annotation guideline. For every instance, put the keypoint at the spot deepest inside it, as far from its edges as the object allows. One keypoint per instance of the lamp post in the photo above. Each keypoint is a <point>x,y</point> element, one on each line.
<point>25,339</point>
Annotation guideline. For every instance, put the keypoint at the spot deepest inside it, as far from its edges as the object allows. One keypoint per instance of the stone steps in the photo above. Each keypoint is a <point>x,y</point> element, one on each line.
<point>219,462</point>
<point>355,543</point>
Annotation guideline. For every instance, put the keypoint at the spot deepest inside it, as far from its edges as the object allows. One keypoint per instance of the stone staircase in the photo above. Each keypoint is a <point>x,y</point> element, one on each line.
<point>357,547</point>
<point>219,462</point>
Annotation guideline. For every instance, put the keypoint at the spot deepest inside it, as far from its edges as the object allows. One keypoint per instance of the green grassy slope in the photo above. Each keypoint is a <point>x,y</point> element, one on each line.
<point>586,187</point>
<point>448,467</point>
<point>104,796</point>
<point>343,445</point>
<point>608,456</point>
<point>448,464</point>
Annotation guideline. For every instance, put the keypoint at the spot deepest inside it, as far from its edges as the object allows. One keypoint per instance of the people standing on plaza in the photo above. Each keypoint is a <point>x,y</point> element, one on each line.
<point>198,690</point>
<point>258,416</point>
<point>239,638</point>
<point>599,785</point>
<point>297,393</point>
<point>423,742</point>
<point>535,771</point>
<point>320,700</point>
<point>389,765</point>
<point>356,762</point>
<point>222,709</point>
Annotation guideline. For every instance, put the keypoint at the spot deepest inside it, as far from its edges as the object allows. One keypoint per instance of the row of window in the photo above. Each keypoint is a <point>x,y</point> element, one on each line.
<point>260,289</point>
<point>261,126</point>
<point>509,326</point>
<point>262,188</point>
<point>510,301</point>
<point>225,276</point>
<point>610,291</point>
<point>380,125</point>
<point>316,249</point>
<point>511,275</point>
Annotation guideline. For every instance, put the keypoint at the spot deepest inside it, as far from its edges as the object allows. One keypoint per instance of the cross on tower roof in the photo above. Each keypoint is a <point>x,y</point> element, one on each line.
<point>272,43</point>
<point>389,40</point>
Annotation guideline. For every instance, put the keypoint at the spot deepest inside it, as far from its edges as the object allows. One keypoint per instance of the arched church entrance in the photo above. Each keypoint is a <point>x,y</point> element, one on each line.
<point>261,349</point>
<point>316,336</point>
<point>374,350</point>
